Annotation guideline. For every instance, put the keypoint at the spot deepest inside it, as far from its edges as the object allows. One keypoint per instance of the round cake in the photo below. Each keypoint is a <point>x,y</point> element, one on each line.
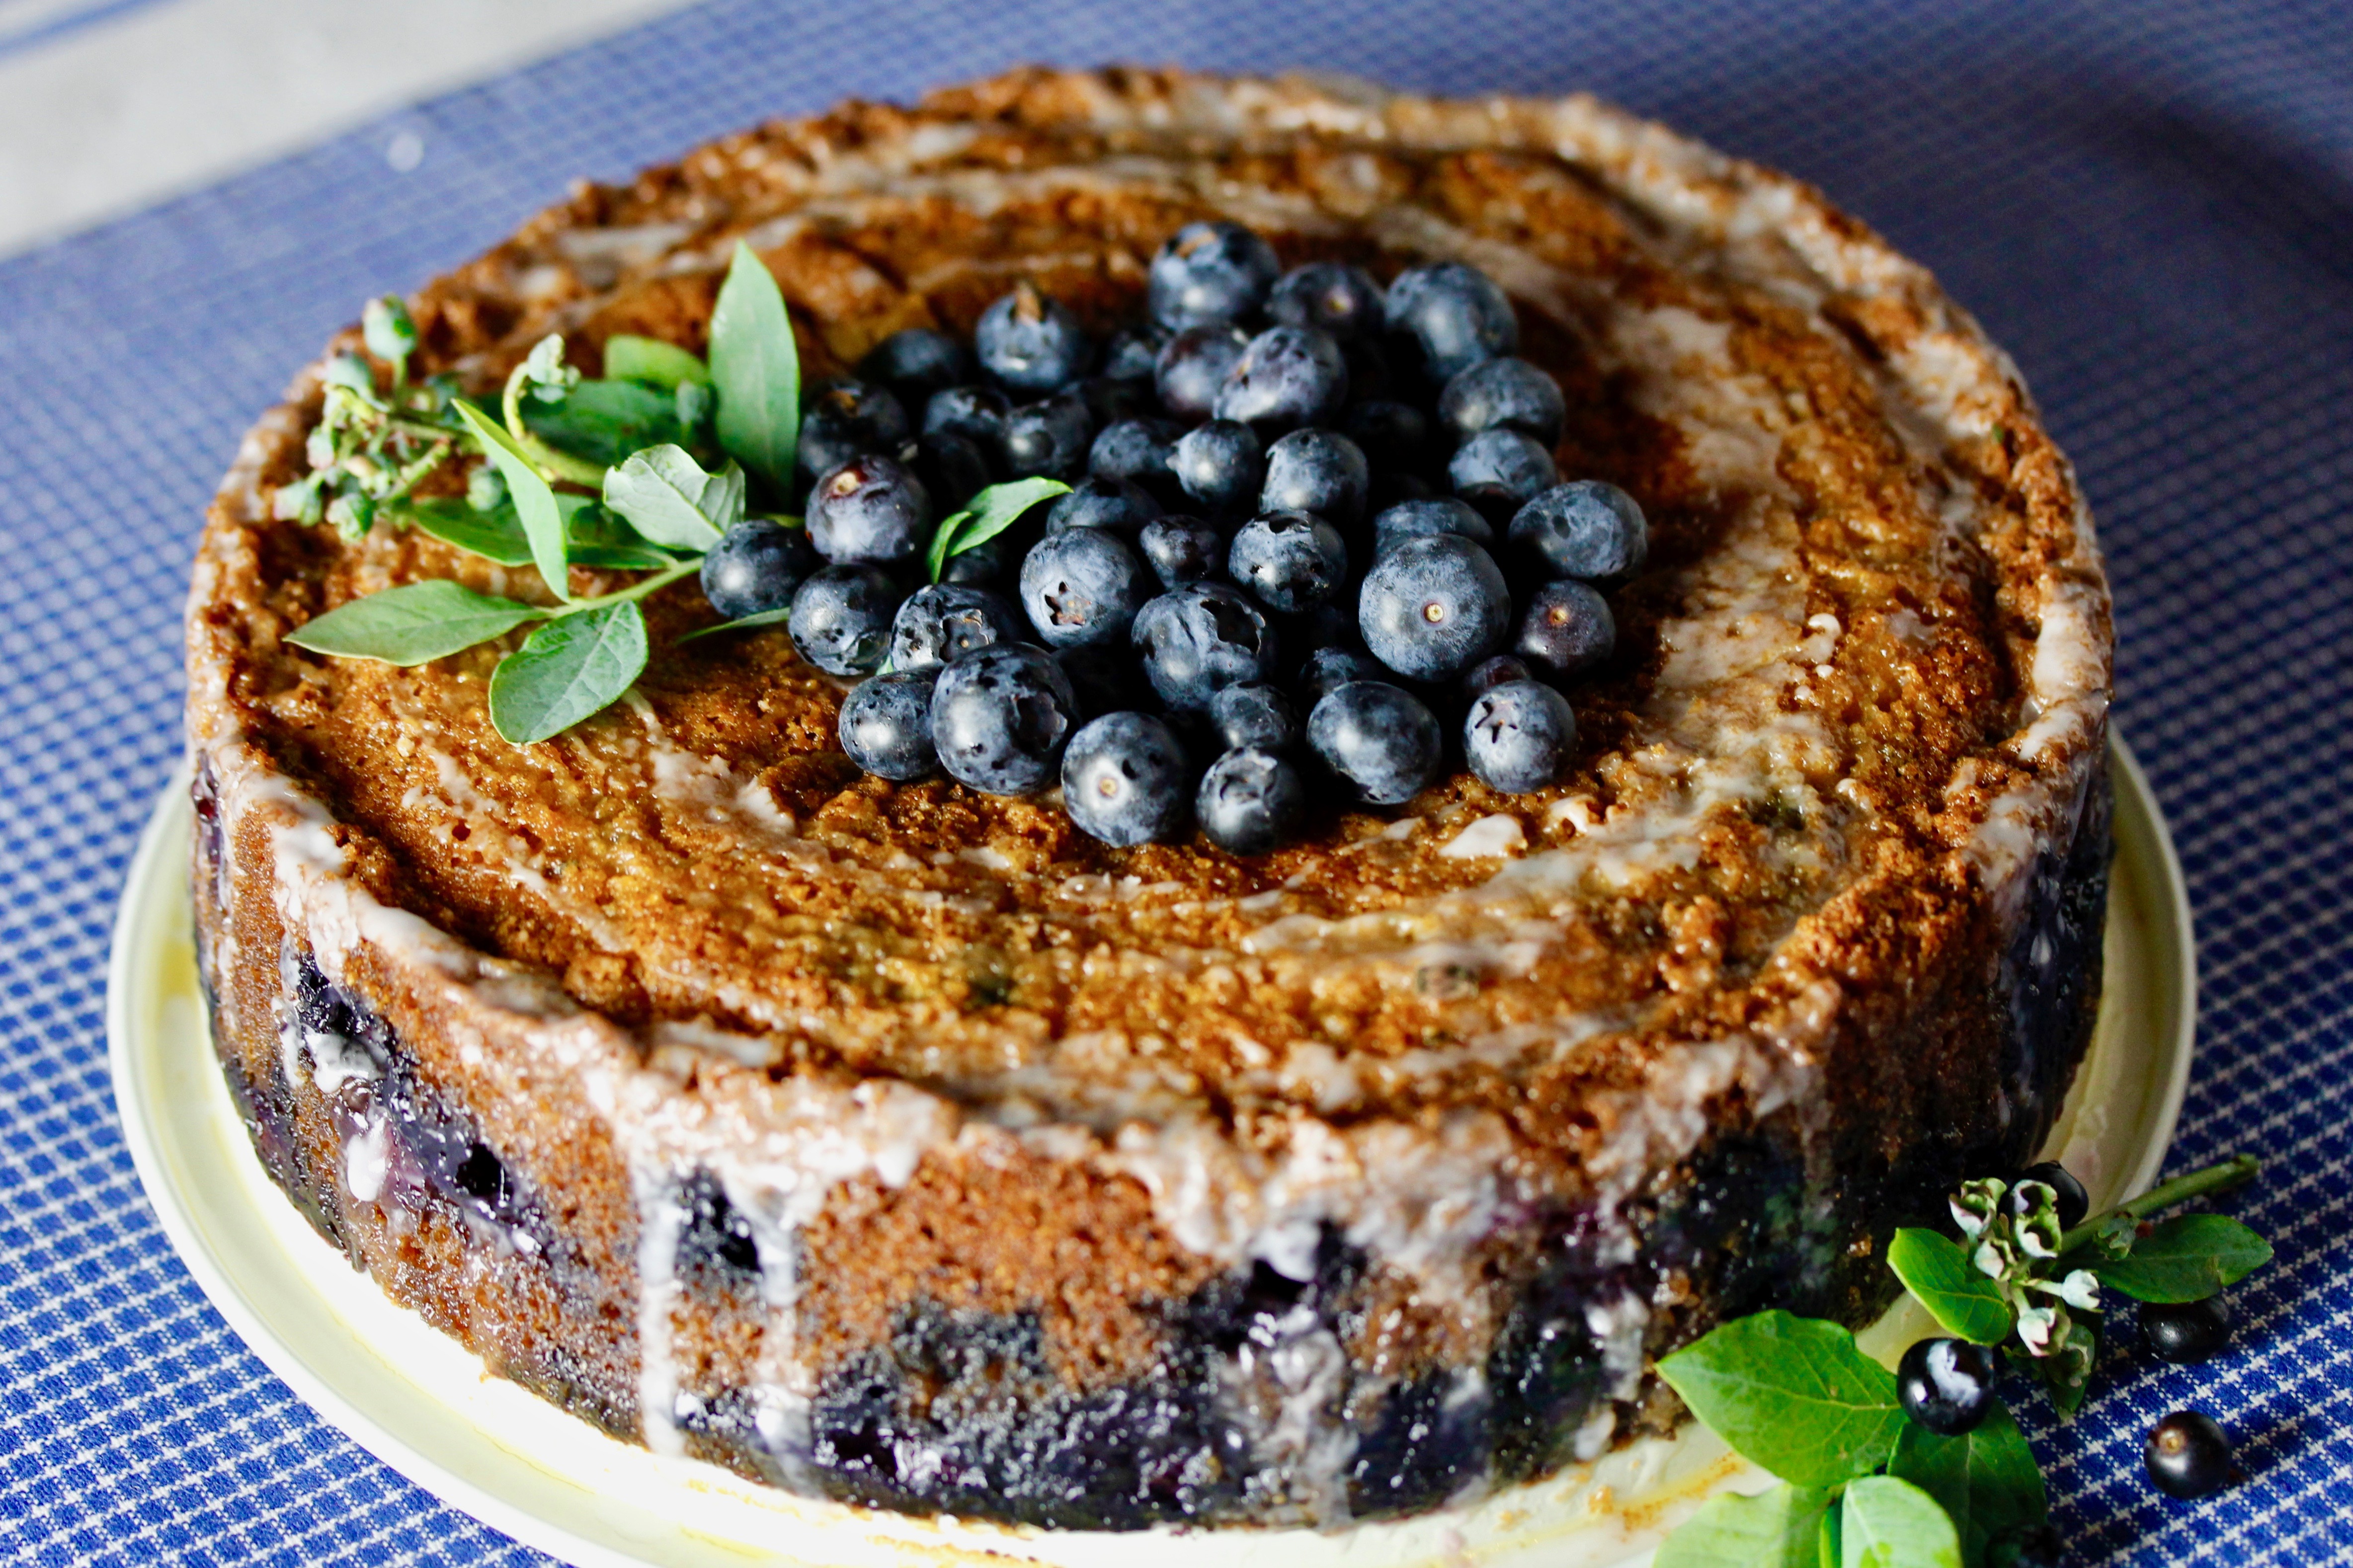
<point>902,1143</point>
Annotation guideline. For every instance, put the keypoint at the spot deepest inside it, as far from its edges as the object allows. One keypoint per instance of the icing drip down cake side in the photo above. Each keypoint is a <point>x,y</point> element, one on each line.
<point>903,1144</point>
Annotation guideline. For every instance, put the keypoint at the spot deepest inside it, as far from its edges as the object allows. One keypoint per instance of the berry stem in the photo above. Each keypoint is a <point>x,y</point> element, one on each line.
<point>2222,1176</point>
<point>638,590</point>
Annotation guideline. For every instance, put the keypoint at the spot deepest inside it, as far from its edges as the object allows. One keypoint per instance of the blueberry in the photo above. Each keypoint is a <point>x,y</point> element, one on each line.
<point>841,617</point>
<point>943,621</point>
<point>1330,667</point>
<point>1504,464</point>
<point>1432,607</point>
<point>1182,550</point>
<point>1130,354</point>
<point>915,362</point>
<point>1566,629</point>
<point>1394,436</point>
<point>2188,1455</point>
<point>1137,450</point>
<point>1370,379</point>
<point>1030,342</point>
<point>1220,464</point>
<point>1379,739</point>
<point>992,559</point>
<point>1254,715</point>
<point>1583,528</point>
<point>1332,624</point>
<point>1125,781</point>
<point>1249,801</point>
<point>1453,315</point>
<point>1425,519</point>
<point>1518,736</point>
<point>1210,272</point>
<point>1001,717</point>
<point>2071,1200</point>
<point>847,419</point>
<point>1289,377</point>
<point>953,467</point>
<point>1390,489</point>
<point>1318,471</point>
<point>2027,1546</point>
<point>755,568</point>
<point>1081,588</point>
<point>1192,368</point>
<point>1946,1385</point>
<point>1116,504</point>
<point>1110,400</point>
<point>1488,674</point>
<point>886,725</point>
<point>2188,1332</point>
<point>1330,296</point>
<point>1107,680</point>
<point>1504,395</point>
<point>1201,638</point>
<point>975,413</point>
<point>869,508</point>
<point>1289,560</point>
<point>1049,437</point>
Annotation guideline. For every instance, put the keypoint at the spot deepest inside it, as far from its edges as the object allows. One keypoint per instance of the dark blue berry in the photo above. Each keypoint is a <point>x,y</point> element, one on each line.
<point>1370,379</point>
<point>755,567</point>
<point>1330,296</point>
<point>1289,377</point>
<point>1192,368</point>
<point>1201,638</point>
<point>1392,526</point>
<point>1082,587</point>
<point>2027,1546</point>
<point>1432,607</point>
<point>1117,504</point>
<point>1327,668</point>
<point>1320,471</point>
<point>2069,1198</point>
<point>1946,1385</point>
<point>953,468</point>
<point>1136,449</point>
<point>1390,489</point>
<point>1107,680</point>
<point>886,725</point>
<point>847,419</point>
<point>975,413</point>
<point>1210,272</point>
<point>1108,402</point>
<point>942,623</point>
<point>1453,315</point>
<point>1378,739</point>
<point>2186,1331</point>
<point>1130,354</point>
<point>1289,560</point>
<point>1182,550</point>
<point>1031,343</point>
<point>915,362</point>
<point>1504,465</point>
<point>2187,1454</point>
<point>1001,717</point>
<point>1490,673</point>
<point>841,617</point>
<point>1394,436</point>
<point>1504,395</point>
<point>992,560</point>
<point>1049,437</point>
<point>1249,801</point>
<point>1518,736</point>
<point>1254,715</point>
<point>1566,629</point>
<point>1126,779</point>
<point>1583,528</point>
<point>1220,464</point>
<point>869,508</point>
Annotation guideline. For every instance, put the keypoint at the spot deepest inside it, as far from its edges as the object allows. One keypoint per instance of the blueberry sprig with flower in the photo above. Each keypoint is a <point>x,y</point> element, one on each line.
<point>1924,1466</point>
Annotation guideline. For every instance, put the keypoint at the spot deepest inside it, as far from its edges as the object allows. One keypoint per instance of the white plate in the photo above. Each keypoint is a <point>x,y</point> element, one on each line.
<point>425,1407</point>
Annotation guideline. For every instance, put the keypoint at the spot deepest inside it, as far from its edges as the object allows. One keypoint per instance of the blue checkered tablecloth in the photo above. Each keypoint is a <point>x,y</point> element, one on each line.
<point>2151,206</point>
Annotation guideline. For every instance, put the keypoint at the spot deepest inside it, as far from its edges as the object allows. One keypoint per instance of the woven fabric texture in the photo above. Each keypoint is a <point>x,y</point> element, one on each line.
<point>2151,206</point>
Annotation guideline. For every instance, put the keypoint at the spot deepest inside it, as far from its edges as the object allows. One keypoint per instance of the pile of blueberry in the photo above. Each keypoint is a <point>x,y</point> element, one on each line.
<point>1294,495</point>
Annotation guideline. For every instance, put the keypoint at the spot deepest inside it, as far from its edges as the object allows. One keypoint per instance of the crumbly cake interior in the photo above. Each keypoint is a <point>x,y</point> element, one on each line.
<point>903,1143</point>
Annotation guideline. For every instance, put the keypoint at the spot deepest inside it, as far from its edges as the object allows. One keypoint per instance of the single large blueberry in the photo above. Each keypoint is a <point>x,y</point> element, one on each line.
<point>1082,587</point>
<point>1249,801</point>
<point>1254,715</point>
<point>1201,638</point>
<point>845,419</point>
<point>1121,505</point>
<point>1432,607</point>
<point>1031,343</point>
<point>1320,471</point>
<point>943,622</point>
<point>1210,272</point>
<point>1220,464</point>
<point>1332,297</point>
<point>1392,526</point>
<point>915,362</point>
<point>1502,465</point>
<point>1182,550</point>
<point>1394,436</point>
<point>755,567</point>
<point>1566,629</point>
<point>1124,779</point>
<point>1289,560</point>
<point>1001,717</point>
<point>1289,377</point>
<point>1192,368</point>
<point>841,617</point>
<point>869,508</point>
<point>886,725</point>
<point>975,413</point>
<point>954,469</point>
<point>1518,736</point>
<point>1136,449</point>
<point>1453,315</point>
<point>1583,528</point>
<point>1504,395</point>
<point>1049,437</point>
<point>1378,739</point>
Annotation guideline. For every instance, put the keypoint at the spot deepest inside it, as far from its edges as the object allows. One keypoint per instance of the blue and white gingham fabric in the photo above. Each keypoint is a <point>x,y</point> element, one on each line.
<point>2151,206</point>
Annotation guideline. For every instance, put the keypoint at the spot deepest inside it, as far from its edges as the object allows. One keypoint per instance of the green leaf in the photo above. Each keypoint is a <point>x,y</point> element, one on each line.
<point>1957,1294</point>
<point>669,499</point>
<point>568,669</point>
<point>1885,1522</point>
<point>992,511</point>
<point>534,498</point>
<point>413,623</point>
<point>757,370</point>
<point>1986,1481</point>
<point>631,358</point>
<point>1792,1394</point>
<point>1777,1529</point>
<point>601,540</point>
<point>777,618</point>
<point>942,537</point>
<point>2187,1259</point>
<point>604,421</point>
<point>495,535</point>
